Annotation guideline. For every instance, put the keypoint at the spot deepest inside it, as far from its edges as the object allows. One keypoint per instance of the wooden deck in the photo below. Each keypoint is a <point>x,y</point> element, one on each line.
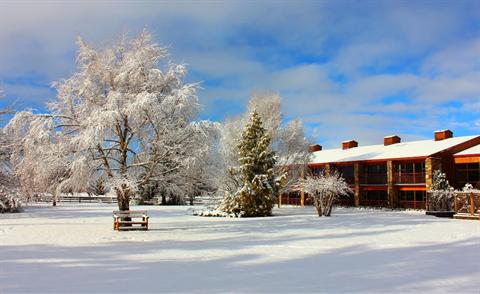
<point>467,216</point>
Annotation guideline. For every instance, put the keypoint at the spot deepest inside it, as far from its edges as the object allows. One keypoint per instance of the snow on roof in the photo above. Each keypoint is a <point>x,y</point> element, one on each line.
<point>422,148</point>
<point>475,150</point>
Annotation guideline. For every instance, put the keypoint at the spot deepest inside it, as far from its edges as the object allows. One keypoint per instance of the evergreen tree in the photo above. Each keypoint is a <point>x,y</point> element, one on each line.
<point>440,196</point>
<point>256,196</point>
<point>439,181</point>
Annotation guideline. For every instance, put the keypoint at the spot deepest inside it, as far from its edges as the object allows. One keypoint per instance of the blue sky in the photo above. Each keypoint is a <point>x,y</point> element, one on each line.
<point>349,69</point>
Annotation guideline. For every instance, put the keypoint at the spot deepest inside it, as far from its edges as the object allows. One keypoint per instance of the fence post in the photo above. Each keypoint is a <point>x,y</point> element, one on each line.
<point>455,202</point>
<point>472,204</point>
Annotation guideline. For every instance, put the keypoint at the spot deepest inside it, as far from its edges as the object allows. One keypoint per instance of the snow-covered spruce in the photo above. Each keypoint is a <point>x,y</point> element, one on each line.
<point>260,186</point>
<point>324,189</point>
<point>440,197</point>
<point>125,116</point>
<point>288,141</point>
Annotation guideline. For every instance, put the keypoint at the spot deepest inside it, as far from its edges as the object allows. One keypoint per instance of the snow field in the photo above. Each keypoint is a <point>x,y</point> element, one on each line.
<point>73,248</point>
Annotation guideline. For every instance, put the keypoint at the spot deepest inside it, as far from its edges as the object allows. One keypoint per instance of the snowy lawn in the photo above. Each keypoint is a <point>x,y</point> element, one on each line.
<point>74,249</point>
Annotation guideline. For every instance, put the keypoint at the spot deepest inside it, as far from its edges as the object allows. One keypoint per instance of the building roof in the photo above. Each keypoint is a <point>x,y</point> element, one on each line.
<point>413,149</point>
<point>475,150</point>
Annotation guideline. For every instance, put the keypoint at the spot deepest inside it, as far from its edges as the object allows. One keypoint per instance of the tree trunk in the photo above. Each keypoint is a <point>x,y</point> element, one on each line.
<point>318,206</point>
<point>54,199</point>
<point>328,205</point>
<point>123,198</point>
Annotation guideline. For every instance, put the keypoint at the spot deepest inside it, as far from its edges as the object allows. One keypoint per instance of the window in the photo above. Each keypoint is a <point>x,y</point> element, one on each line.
<point>468,173</point>
<point>374,174</point>
<point>410,173</point>
<point>317,170</point>
<point>375,198</point>
<point>347,173</point>
<point>412,199</point>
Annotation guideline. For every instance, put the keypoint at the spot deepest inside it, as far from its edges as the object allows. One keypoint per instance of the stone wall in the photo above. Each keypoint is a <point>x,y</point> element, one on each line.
<point>431,164</point>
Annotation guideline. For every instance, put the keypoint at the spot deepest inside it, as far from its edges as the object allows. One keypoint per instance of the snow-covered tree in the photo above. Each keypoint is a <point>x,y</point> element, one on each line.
<point>324,189</point>
<point>126,113</point>
<point>440,196</point>
<point>440,182</point>
<point>42,157</point>
<point>10,198</point>
<point>288,140</point>
<point>259,184</point>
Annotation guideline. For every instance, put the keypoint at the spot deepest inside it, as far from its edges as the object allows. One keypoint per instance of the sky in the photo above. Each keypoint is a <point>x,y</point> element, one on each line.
<point>357,70</point>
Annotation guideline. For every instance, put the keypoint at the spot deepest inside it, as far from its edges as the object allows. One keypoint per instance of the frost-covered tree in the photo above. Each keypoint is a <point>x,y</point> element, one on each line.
<point>324,189</point>
<point>259,184</point>
<point>126,113</point>
<point>10,198</point>
<point>288,140</point>
<point>440,182</point>
<point>97,186</point>
<point>440,196</point>
<point>45,159</point>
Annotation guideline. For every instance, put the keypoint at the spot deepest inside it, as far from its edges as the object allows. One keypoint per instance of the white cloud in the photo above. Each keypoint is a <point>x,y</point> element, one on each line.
<point>334,63</point>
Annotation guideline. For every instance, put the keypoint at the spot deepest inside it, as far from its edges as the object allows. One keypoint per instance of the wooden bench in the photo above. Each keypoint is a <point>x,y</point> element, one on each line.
<point>130,220</point>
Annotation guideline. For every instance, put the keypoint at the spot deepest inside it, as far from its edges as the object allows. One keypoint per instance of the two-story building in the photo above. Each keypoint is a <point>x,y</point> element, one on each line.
<point>398,174</point>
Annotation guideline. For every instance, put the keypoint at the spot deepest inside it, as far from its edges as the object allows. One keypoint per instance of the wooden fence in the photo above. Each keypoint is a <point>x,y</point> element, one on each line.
<point>80,198</point>
<point>466,205</point>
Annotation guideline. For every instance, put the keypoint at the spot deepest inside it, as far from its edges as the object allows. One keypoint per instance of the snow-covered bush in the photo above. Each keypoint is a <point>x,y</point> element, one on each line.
<point>9,200</point>
<point>440,197</point>
<point>469,188</point>
<point>324,189</point>
<point>259,185</point>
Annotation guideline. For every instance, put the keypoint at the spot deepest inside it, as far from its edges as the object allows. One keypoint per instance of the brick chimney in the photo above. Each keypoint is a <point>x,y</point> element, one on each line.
<point>349,144</point>
<point>442,135</point>
<point>314,148</point>
<point>389,140</point>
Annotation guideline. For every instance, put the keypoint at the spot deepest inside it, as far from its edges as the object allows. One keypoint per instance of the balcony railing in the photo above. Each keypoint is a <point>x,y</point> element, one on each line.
<point>377,203</point>
<point>374,178</point>
<point>412,204</point>
<point>410,178</point>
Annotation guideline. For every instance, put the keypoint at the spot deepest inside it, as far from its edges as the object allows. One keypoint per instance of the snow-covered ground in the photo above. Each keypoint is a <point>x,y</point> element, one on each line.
<point>74,249</point>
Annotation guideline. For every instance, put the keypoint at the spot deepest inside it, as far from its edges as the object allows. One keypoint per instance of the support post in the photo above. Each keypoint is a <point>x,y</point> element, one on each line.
<point>302,192</point>
<point>327,168</point>
<point>392,199</point>
<point>431,164</point>
<point>356,176</point>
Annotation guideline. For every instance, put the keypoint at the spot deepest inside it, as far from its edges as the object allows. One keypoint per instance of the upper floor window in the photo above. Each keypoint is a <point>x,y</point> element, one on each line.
<point>468,173</point>
<point>347,173</point>
<point>410,173</point>
<point>374,174</point>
